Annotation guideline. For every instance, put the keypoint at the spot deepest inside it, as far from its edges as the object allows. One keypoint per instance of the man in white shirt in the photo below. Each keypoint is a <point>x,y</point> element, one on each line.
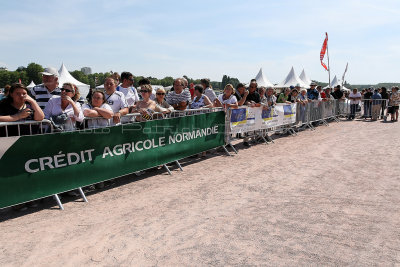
<point>207,90</point>
<point>115,99</point>
<point>126,87</point>
<point>355,98</point>
<point>43,92</point>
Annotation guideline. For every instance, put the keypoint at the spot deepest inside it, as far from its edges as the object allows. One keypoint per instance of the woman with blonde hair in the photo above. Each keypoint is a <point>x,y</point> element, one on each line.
<point>227,99</point>
<point>146,107</point>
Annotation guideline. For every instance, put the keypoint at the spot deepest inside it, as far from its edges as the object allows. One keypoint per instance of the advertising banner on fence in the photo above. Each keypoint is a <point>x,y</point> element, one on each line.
<point>34,167</point>
<point>251,119</point>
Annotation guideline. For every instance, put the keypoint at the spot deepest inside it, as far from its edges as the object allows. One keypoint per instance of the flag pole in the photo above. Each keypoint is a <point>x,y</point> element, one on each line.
<point>329,68</point>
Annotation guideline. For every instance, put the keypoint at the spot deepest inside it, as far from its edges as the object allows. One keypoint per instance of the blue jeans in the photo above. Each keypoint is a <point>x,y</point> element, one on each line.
<point>367,109</point>
<point>353,109</point>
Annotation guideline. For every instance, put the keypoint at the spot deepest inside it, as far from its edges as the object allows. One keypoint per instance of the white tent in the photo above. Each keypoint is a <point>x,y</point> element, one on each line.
<point>31,85</point>
<point>335,82</point>
<point>305,78</point>
<point>291,80</point>
<point>262,80</point>
<point>66,77</point>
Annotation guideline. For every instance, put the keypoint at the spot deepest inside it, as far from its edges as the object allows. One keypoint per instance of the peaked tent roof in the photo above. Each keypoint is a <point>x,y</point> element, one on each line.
<point>291,80</point>
<point>31,85</point>
<point>335,82</point>
<point>66,77</point>
<point>305,78</point>
<point>262,80</point>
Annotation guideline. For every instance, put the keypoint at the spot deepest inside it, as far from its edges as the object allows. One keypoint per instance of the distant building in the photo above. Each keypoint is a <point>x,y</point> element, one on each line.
<point>86,70</point>
<point>4,68</point>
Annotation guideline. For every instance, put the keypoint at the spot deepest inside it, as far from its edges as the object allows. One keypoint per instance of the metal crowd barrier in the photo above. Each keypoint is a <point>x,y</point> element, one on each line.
<point>19,128</point>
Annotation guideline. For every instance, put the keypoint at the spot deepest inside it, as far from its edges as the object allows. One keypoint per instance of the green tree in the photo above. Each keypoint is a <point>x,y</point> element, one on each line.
<point>32,71</point>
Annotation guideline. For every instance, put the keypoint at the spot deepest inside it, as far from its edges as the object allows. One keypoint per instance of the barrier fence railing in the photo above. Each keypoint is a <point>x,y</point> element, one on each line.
<point>75,159</point>
<point>19,128</point>
<point>198,127</point>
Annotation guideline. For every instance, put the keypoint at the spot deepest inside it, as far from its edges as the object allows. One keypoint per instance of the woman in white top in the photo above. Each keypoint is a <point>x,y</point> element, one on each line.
<point>63,109</point>
<point>227,99</point>
<point>97,107</point>
<point>200,100</point>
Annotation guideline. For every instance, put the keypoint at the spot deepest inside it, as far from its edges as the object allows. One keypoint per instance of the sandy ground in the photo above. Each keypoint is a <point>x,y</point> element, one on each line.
<point>324,197</point>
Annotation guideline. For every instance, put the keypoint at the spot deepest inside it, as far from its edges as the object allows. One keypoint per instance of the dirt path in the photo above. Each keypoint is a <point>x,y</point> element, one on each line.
<point>329,196</point>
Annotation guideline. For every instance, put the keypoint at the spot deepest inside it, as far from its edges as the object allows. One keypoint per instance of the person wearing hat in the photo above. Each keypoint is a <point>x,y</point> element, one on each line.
<point>43,92</point>
<point>312,93</point>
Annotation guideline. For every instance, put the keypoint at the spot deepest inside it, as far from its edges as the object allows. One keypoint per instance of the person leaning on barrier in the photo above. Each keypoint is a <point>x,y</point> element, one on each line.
<point>355,98</point>
<point>376,104</point>
<point>253,98</point>
<point>271,98</point>
<point>241,94</point>
<point>200,100</point>
<point>227,99</point>
<point>367,103</point>
<point>284,96</point>
<point>63,110</point>
<point>160,100</point>
<point>97,107</point>
<point>208,91</point>
<point>303,101</point>
<point>18,105</point>
<point>147,107</point>
<point>115,99</point>
<point>327,95</point>
<point>294,96</point>
<point>49,88</point>
<point>312,93</point>
<point>385,97</point>
<point>337,93</point>
<point>179,98</point>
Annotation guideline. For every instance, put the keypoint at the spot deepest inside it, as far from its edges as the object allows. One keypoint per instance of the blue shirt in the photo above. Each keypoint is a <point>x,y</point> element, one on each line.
<point>376,96</point>
<point>313,94</point>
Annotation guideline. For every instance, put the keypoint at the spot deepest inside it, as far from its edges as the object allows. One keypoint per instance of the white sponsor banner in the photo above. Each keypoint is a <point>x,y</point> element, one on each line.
<point>251,119</point>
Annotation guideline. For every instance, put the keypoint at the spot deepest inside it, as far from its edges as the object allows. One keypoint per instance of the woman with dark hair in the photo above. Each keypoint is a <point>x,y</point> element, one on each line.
<point>18,105</point>
<point>64,110</point>
<point>384,95</point>
<point>208,91</point>
<point>97,107</point>
<point>200,100</point>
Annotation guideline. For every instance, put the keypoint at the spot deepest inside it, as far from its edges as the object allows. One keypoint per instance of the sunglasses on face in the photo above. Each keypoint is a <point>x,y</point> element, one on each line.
<point>160,93</point>
<point>67,90</point>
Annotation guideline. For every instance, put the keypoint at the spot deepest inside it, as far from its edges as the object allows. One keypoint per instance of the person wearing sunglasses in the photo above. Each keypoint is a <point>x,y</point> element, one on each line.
<point>146,107</point>
<point>64,110</point>
<point>126,87</point>
<point>253,98</point>
<point>179,98</point>
<point>160,100</point>
<point>116,100</point>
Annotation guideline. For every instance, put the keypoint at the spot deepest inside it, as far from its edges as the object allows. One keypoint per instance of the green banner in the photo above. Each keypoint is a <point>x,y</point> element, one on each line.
<point>34,167</point>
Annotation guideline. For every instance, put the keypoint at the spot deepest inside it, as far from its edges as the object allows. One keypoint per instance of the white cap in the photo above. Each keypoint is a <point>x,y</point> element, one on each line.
<point>50,71</point>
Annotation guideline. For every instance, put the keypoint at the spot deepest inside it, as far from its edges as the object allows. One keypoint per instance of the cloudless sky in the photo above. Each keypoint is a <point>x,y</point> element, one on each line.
<point>205,38</point>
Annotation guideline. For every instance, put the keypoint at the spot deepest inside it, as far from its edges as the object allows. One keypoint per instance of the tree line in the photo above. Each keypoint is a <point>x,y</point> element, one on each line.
<point>32,73</point>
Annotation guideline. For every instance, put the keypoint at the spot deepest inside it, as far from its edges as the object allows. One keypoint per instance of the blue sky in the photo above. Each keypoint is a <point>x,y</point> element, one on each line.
<point>206,38</point>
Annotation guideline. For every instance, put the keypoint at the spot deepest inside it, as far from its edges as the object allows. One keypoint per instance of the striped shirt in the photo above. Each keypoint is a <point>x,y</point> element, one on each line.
<point>42,95</point>
<point>174,98</point>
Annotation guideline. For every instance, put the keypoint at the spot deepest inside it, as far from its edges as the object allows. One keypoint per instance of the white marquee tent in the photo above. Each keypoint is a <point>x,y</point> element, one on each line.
<point>262,80</point>
<point>66,77</point>
<point>291,80</point>
<point>31,85</point>
<point>336,82</point>
<point>305,78</point>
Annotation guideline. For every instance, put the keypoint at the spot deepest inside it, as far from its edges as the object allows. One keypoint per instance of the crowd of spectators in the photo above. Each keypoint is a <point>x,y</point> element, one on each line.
<point>66,109</point>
